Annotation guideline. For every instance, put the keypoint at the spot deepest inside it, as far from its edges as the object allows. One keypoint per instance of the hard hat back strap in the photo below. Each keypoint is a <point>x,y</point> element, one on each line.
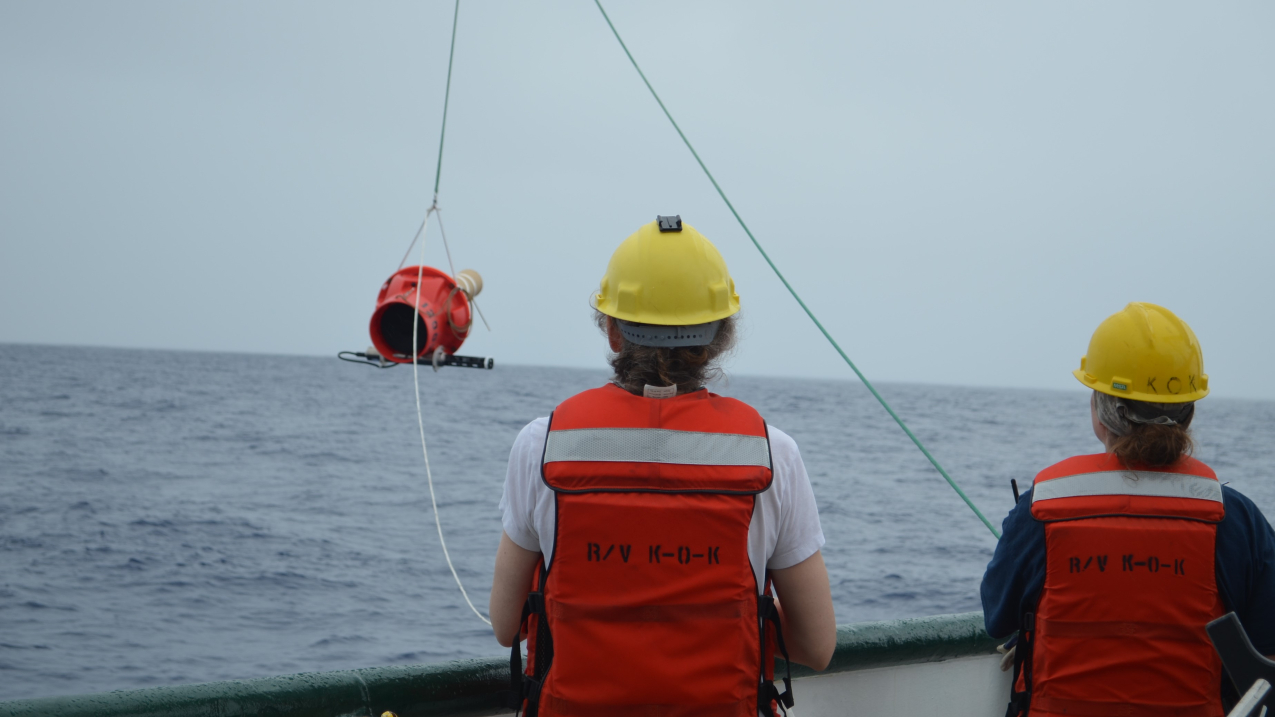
<point>669,336</point>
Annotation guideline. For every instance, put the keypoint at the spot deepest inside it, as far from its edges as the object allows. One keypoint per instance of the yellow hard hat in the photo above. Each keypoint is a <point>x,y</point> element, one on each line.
<point>1145,353</point>
<point>667,274</point>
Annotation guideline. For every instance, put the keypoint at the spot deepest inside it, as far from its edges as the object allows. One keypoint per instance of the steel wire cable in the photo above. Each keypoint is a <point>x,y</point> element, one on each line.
<point>791,290</point>
<point>447,96</point>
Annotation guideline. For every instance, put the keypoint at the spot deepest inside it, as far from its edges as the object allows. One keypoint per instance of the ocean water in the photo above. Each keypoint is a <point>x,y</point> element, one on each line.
<point>171,518</point>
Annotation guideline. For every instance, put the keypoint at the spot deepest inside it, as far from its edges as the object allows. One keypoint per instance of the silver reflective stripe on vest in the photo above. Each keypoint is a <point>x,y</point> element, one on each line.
<point>1149,483</point>
<point>657,445</point>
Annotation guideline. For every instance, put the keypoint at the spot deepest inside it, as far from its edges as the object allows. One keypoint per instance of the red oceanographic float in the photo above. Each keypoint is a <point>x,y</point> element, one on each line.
<point>442,308</point>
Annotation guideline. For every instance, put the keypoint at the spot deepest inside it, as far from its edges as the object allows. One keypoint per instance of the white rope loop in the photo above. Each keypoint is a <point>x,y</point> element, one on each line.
<point>420,417</point>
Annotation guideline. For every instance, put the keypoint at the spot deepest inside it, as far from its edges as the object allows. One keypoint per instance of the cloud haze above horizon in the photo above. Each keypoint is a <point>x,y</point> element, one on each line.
<point>961,192</point>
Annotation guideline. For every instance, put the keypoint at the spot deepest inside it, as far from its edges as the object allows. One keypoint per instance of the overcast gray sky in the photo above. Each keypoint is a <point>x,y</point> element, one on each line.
<point>961,191</point>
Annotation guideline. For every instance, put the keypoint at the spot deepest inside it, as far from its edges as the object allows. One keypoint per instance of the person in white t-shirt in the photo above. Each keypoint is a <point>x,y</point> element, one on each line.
<point>666,306</point>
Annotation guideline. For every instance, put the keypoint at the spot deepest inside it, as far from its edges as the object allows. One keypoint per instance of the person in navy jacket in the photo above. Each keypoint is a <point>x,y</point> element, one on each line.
<point>1101,635</point>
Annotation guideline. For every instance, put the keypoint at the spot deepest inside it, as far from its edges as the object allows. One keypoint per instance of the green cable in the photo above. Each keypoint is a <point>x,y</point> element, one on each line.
<point>793,291</point>
<point>447,95</point>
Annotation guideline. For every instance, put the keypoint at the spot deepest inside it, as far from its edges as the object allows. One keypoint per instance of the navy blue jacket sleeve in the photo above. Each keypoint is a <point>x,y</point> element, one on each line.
<point>1245,568</point>
<point>1016,575</point>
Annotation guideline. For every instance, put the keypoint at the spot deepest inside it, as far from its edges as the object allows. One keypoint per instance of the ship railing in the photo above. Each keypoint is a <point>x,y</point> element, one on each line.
<point>481,686</point>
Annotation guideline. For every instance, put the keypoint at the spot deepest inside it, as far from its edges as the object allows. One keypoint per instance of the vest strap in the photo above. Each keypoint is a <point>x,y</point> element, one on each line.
<point>768,612</point>
<point>1108,629</point>
<point>567,612</point>
<point>1091,708</point>
<point>1020,703</point>
<point>517,679</point>
<point>524,689</point>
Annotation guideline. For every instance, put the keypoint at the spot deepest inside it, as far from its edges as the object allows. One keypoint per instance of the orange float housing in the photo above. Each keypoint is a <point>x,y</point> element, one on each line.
<point>443,313</point>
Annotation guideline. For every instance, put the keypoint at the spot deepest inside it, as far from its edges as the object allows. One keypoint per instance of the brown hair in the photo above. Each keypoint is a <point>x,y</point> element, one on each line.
<point>1154,445</point>
<point>687,367</point>
<point>1145,432</point>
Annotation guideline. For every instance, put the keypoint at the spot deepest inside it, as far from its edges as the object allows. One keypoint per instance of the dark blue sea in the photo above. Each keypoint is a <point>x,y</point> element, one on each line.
<point>175,517</point>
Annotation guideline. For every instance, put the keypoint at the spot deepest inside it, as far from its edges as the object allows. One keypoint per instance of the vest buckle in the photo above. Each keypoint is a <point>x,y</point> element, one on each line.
<point>786,698</point>
<point>536,602</point>
<point>531,689</point>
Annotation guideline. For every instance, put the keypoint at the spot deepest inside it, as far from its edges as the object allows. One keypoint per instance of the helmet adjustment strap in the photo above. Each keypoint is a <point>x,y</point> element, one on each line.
<point>668,336</point>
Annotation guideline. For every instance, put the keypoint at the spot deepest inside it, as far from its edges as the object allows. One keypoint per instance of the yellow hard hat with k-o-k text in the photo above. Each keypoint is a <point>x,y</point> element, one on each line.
<point>1145,353</point>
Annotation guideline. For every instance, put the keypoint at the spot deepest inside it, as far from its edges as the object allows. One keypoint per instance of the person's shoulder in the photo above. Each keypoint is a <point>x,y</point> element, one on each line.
<point>1240,509</point>
<point>1231,495</point>
<point>1021,532</point>
<point>540,425</point>
<point>1244,538</point>
<point>1022,511</point>
<point>782,445</point>
<point>779,437</point>
<point>785,460</point>
<point>1075,465</point>
<point>532,433</point>
<point>525,456</point>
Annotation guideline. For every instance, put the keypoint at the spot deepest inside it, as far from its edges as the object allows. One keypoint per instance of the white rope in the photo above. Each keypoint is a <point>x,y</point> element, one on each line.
<point>420,419</point>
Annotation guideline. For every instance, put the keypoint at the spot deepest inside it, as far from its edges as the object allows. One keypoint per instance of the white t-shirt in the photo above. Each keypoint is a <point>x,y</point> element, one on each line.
<point>784,530</point>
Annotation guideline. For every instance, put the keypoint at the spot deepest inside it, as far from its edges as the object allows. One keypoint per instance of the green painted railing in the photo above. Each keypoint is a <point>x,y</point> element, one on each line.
<point>467,687</point>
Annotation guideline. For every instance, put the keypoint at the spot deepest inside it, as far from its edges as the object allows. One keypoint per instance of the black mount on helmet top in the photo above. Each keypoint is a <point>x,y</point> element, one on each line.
<point>669,224</point>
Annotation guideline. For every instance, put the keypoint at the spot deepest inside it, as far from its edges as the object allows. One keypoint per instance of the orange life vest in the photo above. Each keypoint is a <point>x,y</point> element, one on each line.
<point>1129,587</point>
<point>649,604</point>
